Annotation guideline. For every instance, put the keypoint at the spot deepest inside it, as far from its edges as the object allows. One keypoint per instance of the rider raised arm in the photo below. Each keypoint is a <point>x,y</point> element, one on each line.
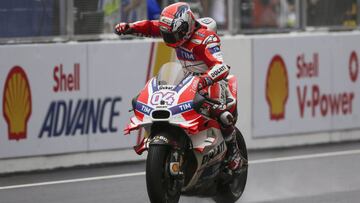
<point>198,50</point>
<point>149,28</point>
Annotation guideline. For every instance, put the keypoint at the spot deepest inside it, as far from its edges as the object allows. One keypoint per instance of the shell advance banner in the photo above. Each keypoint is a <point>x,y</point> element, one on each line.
<point>305,84</point>
<point>68,98</point>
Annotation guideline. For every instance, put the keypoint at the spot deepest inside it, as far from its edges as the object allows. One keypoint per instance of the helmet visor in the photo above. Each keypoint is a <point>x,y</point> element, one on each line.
<point>170,37</point>
<point>174,37</point>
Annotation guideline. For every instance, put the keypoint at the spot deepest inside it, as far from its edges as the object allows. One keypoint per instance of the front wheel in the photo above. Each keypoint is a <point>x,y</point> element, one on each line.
<point>161,186</point>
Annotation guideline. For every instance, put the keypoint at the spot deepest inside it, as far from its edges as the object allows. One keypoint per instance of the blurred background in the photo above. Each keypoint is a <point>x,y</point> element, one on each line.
<point>297,65</point>
<point>64,20</point>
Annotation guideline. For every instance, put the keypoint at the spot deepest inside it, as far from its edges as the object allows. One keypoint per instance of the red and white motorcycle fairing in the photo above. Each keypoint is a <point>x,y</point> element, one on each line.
<point>172,98</point>
<point>179,103</point>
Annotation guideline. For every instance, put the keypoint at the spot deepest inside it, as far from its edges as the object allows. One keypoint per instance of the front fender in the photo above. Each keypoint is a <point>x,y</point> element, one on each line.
<point>158,139</point>
<point>162,133</point>
<point>166,134</point>
<point>162,139</point>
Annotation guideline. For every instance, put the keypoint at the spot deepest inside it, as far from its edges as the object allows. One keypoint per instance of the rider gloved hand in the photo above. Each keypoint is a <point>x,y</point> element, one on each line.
<point>123,29</point>
<point>204,81</point>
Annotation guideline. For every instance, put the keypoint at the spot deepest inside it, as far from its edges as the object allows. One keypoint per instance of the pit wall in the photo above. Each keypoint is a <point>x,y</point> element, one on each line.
<point>73,99</point>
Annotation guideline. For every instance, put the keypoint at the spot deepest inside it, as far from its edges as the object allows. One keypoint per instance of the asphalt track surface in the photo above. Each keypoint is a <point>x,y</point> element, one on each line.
<point>321,174</point>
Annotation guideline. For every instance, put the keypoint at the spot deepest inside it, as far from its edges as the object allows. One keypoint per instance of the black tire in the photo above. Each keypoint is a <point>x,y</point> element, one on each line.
<point>230,192</point>
<point>158,179</point>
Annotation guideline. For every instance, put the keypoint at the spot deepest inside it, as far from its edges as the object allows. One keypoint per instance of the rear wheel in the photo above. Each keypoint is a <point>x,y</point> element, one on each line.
<point>161,186</point>
<point>231,191</point>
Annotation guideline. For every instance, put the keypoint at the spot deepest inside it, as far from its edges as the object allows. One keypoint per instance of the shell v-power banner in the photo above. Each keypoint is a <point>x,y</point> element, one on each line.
<point>305,84</point>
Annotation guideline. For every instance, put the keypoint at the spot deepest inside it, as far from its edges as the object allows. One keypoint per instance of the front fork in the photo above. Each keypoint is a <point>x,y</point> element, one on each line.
<point>174,170</point>
<point>176,163</point>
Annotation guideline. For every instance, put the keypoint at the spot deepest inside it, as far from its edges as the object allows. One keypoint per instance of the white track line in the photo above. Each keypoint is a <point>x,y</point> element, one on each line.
<point>308,156</point>
<point>73,180</point>
<point>262,161</point>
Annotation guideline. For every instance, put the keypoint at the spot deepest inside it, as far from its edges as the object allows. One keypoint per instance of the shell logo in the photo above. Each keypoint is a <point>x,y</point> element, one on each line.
<point>17,103</point>
<point>277,88</point>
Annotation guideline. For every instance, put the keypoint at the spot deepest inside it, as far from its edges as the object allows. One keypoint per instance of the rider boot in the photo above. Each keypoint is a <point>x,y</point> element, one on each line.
<point>235,160</point>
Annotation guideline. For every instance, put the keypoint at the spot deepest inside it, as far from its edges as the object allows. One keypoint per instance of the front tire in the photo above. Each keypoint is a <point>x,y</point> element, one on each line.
<point>159,182</point>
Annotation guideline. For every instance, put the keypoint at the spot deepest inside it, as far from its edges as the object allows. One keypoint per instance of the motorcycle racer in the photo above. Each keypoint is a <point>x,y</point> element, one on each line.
<point>198,50</point>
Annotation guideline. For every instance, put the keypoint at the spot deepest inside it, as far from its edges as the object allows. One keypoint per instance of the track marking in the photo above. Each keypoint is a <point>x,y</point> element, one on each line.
<point>308,156</point>
<point>262,161</point>
<point>73,180</point>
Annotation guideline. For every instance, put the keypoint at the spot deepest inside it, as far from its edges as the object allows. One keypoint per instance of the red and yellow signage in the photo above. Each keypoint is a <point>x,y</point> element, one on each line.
<point>17,103</point>
<point>277,88</point>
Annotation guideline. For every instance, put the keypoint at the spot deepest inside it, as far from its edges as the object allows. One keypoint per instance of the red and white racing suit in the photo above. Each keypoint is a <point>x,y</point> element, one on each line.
<point>201,54</point>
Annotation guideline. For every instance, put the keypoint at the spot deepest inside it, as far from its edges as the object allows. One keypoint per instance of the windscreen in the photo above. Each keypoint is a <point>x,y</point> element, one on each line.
<point>170,74</point>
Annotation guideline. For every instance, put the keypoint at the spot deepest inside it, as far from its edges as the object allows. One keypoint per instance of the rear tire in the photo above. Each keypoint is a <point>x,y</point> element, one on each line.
<point>158,179</point>
<point>231,191</point>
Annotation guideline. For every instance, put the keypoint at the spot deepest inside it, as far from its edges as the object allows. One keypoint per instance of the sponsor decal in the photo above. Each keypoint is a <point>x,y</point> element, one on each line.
<point>181,108</point>
<point>214,49</point>
<point>143,108</point>
<point>166,87</point>
<point>215,72</point>
<point>82,116</point>
<point>17,103</point>
<point>164,29</point>
<point>200,34</point>
<point>160,138</point>
<point>353,66</point>
<point>213,153</point>
<point>166,20</point>
<point>184,55</point>
<point>277,88</point>
<point>196,41</point>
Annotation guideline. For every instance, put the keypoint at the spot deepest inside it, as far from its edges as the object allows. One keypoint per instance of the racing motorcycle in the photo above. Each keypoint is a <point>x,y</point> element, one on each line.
<point>186,151</point>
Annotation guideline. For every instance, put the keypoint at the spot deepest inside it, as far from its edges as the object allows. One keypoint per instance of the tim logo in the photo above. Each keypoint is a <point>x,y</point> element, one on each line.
<point>277,88</point>
<point>184,55</point>
<point>17,103</point>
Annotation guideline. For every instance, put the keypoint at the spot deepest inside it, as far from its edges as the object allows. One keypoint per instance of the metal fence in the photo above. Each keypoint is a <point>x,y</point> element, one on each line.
<point>27,21</point>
